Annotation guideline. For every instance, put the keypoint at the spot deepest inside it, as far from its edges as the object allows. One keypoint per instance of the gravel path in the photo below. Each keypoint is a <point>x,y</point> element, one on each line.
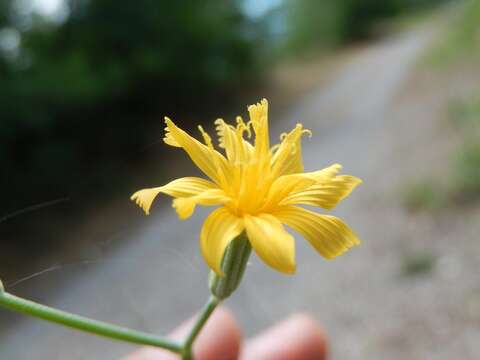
<point>158,278</point>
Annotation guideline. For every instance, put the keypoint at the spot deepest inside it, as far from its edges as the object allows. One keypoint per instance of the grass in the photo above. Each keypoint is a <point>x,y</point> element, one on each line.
<point>465,116</point>
<point>462,37</point>
<point>466,178</point>
<point>460,42</point>
<point>463,182</point>
<point>423,196</point>
<point>416,264</point>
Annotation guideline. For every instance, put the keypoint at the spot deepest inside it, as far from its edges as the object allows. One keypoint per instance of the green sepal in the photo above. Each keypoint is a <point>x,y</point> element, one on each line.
<point>234,262</point>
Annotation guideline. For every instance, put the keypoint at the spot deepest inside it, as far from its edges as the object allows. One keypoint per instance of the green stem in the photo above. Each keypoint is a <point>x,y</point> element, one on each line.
<point>207,310</point>
<point>18,304</point>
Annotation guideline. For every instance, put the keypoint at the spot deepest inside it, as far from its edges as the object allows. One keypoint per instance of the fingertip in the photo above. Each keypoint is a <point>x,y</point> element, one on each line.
<point>221,337</point>
<point>297,338</point>
<point>316,337</point>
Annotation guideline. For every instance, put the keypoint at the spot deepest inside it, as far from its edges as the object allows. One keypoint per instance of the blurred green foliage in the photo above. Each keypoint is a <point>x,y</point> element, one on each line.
<point>466,177</point>
<point>320,23</point>
<point>78,97</point>
<point>461,38</point>
<point>465,180</point>
<point>464,40</point>
<point>423,196</point>
<point>466,33</point>
<point>465,115</point>
<point>416,264</point>
<point>461,44</point>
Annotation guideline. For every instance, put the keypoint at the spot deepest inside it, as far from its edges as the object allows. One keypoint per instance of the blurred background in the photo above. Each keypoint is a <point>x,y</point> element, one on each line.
<point>390,89</point>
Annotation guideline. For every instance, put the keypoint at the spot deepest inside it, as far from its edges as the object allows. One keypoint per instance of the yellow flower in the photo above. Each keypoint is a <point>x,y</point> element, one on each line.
<point>258,188</point>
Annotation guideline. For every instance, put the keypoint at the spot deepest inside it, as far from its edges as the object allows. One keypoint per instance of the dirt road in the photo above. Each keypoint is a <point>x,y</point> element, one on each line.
<point>158,277</point>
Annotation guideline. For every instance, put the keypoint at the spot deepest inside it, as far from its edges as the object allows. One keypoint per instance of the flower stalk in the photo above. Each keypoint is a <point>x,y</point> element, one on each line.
<point>18,304</point>
<point>101,328</point>
<point>221,286</point>
<point>207,310</point>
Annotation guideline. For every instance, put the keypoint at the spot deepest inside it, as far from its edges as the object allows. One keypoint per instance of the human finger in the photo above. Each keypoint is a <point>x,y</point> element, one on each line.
<point>297,338</point>
<point>219,340</point>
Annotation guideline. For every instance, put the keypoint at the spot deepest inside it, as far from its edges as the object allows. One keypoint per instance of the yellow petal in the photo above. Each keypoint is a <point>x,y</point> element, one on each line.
<point>326,195</point>
<point>231,139</point>
<point>287,159</point>
<point>220,227</point>
<point>207,159</point>
<point>259,120</point>
<point>271,242</point>
<point>329,235</point>
<point>185,206</point>
<point>183,187</point>
<point>288,184</point>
